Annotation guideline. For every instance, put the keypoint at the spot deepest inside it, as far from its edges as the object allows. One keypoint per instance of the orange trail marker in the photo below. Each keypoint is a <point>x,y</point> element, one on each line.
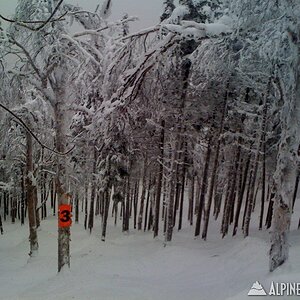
<point>64,216</point>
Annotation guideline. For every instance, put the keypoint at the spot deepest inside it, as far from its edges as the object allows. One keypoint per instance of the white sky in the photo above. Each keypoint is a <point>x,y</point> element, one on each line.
<point>148,11</point>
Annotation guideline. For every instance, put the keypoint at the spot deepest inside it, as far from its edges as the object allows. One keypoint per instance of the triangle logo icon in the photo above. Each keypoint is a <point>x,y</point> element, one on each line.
<point>257,290</point>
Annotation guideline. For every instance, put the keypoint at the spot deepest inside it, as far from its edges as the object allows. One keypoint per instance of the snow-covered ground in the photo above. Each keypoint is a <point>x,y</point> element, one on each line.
<point>134,266</point>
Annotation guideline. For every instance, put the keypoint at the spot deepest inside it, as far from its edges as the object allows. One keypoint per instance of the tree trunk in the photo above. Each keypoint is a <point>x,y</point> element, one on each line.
<point>5,205</point>
<point>54,199</point>
<point>191,199</point>
<point>85,205</point>
<point>63,233</point>
<point>296,189</point>
<point>33,238</point>
<point>241,196</point>
<point>1,225</point>
<point>159,180</point>
<point>23,197</point>
<point>254,175</point>
<point>177,189</point>
<point>93,191</point>
<point>115,209</point>
<point>286,171</point>
<point>230,201</point>
<point>142,201</point>
<point>203,188</point>
<point>215,168</point>
<point>218,195</point>
<point>106,199</point>
<point>105,215</point>
<point>37,214</point>
<point>171,187</point>
<point>279,243</point>
<point>126,205</point>
<point>198,192</point>
<point>270,212</point>
<point>263,192</point>
<point>147,204</point>
<point>182,188</point>
<point>77,207</point>
<point>150,219</point>
<point>135,203</point>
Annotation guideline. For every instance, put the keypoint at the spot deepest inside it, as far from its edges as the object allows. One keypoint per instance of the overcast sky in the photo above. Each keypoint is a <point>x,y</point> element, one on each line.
<point>148,11</point>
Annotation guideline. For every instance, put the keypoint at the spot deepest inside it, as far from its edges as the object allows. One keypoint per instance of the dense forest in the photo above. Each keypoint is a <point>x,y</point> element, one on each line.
<point>194,119</point>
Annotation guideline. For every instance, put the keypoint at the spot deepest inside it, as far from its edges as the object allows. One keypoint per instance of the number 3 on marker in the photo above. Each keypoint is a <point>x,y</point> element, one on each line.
<point>65,216</point>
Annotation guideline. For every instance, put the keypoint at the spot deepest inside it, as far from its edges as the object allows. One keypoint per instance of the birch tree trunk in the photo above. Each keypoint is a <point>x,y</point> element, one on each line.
<point>63,233</point>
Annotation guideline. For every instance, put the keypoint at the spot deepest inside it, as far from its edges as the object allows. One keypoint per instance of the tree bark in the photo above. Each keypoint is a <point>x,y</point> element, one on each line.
<point>33,238</point>
<point>159,180</point>
<point>171,195</point>
<point>231,197</point>
<point>191,199</point>
<point>286,172</point>
<point>93,191</point>
<point>241,196</point>
<point>23,197</point>
<point>263,192</point>
<point>1,225</point>
<point>135,203</point>
<point>296,189</point>
<point>203,188</point>
<point>147,204</point>
<point>85,205</point>
<point>270,212</point>
<point>142,201</point>
<point>106,198</point>
<point>77,207</point>
<point>254,175</point>
<point>215,168</point>
<point>183,180</point>
<point>63,233</point>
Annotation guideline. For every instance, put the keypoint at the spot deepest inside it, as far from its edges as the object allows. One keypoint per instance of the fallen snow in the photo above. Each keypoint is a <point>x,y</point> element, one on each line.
<point>134,266</point>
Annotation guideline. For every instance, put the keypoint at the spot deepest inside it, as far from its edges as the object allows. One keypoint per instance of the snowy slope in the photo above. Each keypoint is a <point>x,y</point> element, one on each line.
<point>135,266</point>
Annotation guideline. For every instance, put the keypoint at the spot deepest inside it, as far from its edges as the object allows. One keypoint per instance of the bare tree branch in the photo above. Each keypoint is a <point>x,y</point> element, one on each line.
<point>30,60</point>
<point>22,23</point>
<point>51,16</point>
<point>44,23</point>
<point>32,134</point>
